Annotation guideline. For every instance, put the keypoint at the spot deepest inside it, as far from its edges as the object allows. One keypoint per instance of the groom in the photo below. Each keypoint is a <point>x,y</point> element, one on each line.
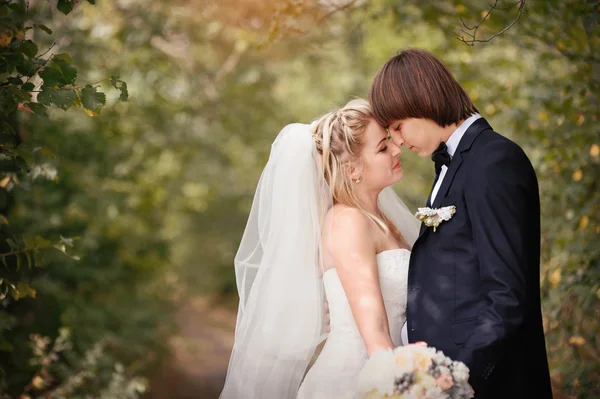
<point>474,282</point>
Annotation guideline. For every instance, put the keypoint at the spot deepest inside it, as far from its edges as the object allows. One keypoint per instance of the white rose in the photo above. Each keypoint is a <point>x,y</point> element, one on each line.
<point>378,373</point>
<point>460,372</point>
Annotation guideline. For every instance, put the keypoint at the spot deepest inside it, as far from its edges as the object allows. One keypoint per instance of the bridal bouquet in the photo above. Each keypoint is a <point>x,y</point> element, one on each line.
<point>414,372</point>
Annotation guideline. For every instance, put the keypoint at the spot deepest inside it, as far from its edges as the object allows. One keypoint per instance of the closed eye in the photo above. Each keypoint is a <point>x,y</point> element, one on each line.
<point>384,149</point>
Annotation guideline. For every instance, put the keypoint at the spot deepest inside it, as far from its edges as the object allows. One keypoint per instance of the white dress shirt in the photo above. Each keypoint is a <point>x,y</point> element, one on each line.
<point>452,145</point>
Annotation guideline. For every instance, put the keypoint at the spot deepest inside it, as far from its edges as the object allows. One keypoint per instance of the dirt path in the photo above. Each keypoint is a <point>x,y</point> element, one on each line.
<point>200,353</point>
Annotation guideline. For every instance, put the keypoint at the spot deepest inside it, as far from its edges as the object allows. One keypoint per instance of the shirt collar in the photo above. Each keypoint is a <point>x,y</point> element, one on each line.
<point>457,135</point>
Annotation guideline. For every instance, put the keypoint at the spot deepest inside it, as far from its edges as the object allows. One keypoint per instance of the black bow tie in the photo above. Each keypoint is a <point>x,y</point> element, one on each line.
<point>441,157</point>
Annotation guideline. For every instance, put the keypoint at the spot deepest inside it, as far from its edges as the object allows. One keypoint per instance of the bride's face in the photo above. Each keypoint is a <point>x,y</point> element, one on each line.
<point>379,155</point>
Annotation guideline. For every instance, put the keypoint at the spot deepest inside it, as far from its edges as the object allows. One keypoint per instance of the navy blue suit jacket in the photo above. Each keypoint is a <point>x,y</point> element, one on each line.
<point>474,283</point>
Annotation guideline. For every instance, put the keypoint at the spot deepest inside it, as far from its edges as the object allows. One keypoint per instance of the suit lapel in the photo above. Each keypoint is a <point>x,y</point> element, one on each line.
<point>447,182</point>
<point>465,145</point>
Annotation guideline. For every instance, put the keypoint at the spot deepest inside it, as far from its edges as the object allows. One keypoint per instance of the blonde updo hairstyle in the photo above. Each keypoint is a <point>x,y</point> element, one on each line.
<point>339,138</point>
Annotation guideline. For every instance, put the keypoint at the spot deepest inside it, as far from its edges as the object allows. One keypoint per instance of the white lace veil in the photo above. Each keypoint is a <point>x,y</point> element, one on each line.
<point>279,270</point>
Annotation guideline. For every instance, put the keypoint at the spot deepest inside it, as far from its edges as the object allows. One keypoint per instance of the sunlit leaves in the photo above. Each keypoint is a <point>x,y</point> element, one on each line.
<point>61,98</point>
<point>59,72</point>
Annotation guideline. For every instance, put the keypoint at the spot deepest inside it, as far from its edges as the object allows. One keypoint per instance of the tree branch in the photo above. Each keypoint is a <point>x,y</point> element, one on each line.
<point>471,33</point>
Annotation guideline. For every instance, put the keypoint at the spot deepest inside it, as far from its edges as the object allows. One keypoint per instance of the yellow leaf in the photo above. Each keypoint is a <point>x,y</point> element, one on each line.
<point>584,222</point>
<point>555,277</point>
<point>580,119</point>
<point>577,175</point>
<point>90,112</point>
<point>543,116</point>
<point>595,150</point>
<point>598,294</point>
<point>5,38</point>
<point>576,340</point>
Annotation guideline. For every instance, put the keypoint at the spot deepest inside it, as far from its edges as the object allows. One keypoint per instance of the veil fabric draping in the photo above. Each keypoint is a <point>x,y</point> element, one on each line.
<point>279,270</point>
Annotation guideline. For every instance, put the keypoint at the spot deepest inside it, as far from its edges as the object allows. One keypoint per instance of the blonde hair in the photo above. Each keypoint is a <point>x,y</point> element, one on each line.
<point>339,140</point>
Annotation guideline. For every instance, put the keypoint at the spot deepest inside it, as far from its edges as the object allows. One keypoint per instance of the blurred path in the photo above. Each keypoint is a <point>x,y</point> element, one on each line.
<point>200,353</point>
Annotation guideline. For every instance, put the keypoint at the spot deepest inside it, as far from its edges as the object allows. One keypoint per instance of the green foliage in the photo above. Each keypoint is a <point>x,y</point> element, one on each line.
<point>32,250</point>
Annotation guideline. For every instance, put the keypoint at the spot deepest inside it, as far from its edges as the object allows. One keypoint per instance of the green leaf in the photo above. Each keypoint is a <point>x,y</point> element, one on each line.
<point>591,21</point>
<point>61,98</point>
<point>14,81</point>
<point>28,86</point>
<point>29,261</point>
<point>93,2</point>
<point>52,77</point>
<point>47,152</point>
<point>91,99</point>
<point>69,73</point>
<point>42,242</point>
<point>37,258</point>
<point>29,48</point>
<point>58,73</point>
<point>18,256</point>
<point>8,102</point>
<point>124,92</point>
<point>26,68</point>
<point>63,56</point>
<point>120,85</point>
<point>12,244</point>
<point>38,109</point>
<point>29,242</point>
<point>13,61</point>
<point>65,6</point>
<point>6,128</point>
<point>44,28</point>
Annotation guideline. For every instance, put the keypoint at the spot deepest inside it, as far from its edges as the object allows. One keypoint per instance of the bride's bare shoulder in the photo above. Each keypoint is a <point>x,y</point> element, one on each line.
<point>346,227</point>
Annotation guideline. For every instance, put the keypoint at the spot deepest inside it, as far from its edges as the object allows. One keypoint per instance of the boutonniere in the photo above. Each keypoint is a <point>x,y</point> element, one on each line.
<point>433,217</point>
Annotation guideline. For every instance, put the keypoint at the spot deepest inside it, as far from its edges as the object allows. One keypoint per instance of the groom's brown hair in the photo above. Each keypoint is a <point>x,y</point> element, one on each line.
<point>415,84</point>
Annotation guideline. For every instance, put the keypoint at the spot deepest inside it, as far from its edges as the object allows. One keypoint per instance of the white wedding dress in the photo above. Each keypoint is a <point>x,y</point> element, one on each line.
<point>334,373</point>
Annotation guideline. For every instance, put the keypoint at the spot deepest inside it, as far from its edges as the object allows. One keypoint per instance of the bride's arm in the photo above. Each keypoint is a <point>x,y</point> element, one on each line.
<point>352,247</point>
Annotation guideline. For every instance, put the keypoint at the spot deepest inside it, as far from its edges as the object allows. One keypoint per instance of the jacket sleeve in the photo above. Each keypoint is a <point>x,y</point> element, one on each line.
<point>502,201</point>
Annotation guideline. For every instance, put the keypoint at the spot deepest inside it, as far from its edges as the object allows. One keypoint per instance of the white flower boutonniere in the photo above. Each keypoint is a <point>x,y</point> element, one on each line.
<point>433,217</point>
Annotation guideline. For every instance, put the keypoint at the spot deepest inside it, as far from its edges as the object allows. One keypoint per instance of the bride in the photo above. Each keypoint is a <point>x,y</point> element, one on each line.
<point>325,228</point>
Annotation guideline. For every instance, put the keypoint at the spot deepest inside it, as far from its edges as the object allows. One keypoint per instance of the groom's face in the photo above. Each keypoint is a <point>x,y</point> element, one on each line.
<point>418,135</point>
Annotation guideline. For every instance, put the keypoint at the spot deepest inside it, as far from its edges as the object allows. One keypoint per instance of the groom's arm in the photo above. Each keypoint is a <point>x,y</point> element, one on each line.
<point>502,199</point>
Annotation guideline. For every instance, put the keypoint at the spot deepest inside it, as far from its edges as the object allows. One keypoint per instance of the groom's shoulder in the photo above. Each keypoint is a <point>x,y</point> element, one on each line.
<point>490,142</point>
